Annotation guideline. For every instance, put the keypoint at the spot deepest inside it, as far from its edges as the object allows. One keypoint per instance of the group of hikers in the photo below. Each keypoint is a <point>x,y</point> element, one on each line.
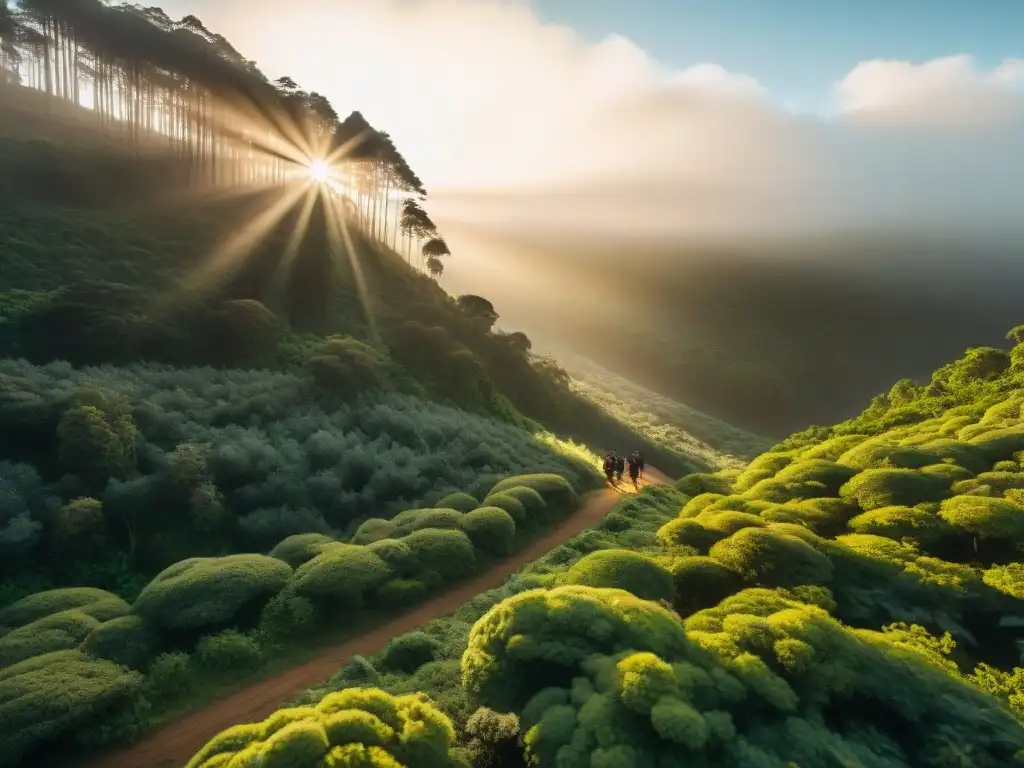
<point>615,465</point>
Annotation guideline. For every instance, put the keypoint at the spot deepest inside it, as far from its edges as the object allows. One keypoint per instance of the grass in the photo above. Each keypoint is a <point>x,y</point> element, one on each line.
<point>666,422</point>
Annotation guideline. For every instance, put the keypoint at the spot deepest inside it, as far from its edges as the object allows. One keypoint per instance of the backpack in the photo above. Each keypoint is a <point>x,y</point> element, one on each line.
<point>609,464</point>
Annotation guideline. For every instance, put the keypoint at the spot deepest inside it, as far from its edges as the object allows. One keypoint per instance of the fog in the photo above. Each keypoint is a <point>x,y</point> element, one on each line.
<point>666,220</point>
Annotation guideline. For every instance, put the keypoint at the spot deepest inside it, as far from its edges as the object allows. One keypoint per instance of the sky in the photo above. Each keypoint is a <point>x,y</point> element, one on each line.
<point>672,117</point>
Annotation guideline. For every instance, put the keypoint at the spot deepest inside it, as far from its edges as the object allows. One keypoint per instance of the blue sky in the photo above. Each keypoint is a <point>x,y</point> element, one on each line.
<point>799,48</point>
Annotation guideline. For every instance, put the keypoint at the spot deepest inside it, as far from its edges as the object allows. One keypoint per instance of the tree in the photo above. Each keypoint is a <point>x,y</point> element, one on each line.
<point>478,309</point>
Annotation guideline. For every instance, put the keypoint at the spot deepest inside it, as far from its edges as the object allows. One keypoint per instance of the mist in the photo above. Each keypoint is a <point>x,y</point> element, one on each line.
<point>684,226</point>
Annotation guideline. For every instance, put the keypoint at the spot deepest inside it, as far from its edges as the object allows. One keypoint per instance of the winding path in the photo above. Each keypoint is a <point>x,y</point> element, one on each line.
<point>172,745</point>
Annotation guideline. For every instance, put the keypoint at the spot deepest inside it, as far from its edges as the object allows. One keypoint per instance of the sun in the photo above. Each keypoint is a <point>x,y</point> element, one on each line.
<point>318,171</point>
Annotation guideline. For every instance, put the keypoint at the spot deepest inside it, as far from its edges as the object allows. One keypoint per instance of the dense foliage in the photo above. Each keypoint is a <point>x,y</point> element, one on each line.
<point>132,469</point>
<point>850,598</point>
<point>223,618</point>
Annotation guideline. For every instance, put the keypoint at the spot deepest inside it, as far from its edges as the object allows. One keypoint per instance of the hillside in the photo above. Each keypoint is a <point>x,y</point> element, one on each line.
<point>707,440</point>
<point>852,597</point>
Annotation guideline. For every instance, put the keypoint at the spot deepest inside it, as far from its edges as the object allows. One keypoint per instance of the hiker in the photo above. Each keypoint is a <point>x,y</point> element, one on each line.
<point>610,463</point>
<point>620,467</point>
<point>634,469</point>
<point>639,461</point>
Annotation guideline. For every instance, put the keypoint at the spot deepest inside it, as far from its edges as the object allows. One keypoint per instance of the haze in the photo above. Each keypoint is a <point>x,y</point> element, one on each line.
<point>588,188</point>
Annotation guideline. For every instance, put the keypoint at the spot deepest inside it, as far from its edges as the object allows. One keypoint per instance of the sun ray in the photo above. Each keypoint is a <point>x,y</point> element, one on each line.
<point>229,256</point>
<point>337,224</point>
<point>298,234</point>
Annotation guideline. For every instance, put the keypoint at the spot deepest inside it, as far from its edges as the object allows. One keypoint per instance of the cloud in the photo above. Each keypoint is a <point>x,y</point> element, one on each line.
<point>601,139</point>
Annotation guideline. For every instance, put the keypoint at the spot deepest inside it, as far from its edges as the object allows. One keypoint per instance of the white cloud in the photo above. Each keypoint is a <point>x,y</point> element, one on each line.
<point>480,94</point>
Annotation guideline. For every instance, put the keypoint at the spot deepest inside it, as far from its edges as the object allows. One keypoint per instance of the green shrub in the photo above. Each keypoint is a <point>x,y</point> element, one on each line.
<point>44,697</point>
<point>533,503</point>
<point>622,569</point>
<point>699,503</point>
<point>558,494</point>
<point>876,488</point>
<point>1000,444</point>
<point>301,548</point>
<point>343,575</point>
<point>986,518</point>
<point>170,676</point>
<point>761,468</point>
<point>1008,579</point>
<point>826,517</point>
<point>99,603</point>
<point>509,503</point>
<point>441,519</point>
<point>461,502</point>
<point>374,529</point>
<point>401,592</point>
<point>490,529</point>
<point>208,591</point>
<point>832,448</point>
<point>447,553</point>
<point>951,473</point>
<point>129,641</point>
<point>396,554</point>
<point>57,632</point>
<point>702,482</point>
<point>288,616</point>
<point>727,523</point>
<point>562,628</point>
<point>773,559</point>
<point>228,653</point>
<point>684,532</point>
<point>701,582</point>
<point>901,523</point>
<point>408,652</point>
<point>364,728</point>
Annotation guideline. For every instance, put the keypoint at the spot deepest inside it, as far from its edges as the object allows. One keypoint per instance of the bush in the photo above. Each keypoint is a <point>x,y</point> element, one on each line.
<point>557,492</point>
<point>410,651</point>
<point>562,628</point>
<point>622,569</point>
<point>396,554</point>
<point>129,641</point>
<point>228,653</point>
<point>401,592</point>
<point>46,696</point>
<point>506,501</point>
<point>533,503</point>
<point>209,591</point>
<point>684,532</point>
<point>58,632</point>
<point>826,517</point>
<point>288,616</point>
<point>447,553</point>
<point>700,482</point>
<point>374,529</point>
<point>356,727</point>
<point>773,559</point>
<point>342,575</point>
<point>490,529</point>
<point>301,548</point>
<point>95,602</point>
<point>876,488</point>
<point>461,502</point>
<point>901,523</point>
<point>170,676</point>
<point>701,582</point>
<point>441,519</point>
<point>985,518</point>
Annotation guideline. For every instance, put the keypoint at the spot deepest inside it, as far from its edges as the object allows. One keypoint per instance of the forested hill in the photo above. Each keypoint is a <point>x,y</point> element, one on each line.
<point>190,313</point>
<point>853,597</point>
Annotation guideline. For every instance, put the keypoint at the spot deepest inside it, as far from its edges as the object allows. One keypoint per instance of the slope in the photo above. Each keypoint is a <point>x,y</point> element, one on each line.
<point>853,596</point>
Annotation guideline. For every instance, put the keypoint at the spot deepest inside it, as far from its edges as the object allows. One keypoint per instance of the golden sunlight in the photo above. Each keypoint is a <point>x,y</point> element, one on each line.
<point>319,171</point>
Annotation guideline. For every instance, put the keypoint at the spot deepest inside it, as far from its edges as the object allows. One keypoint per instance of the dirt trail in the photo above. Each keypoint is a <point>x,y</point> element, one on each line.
<point>174,744</point>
